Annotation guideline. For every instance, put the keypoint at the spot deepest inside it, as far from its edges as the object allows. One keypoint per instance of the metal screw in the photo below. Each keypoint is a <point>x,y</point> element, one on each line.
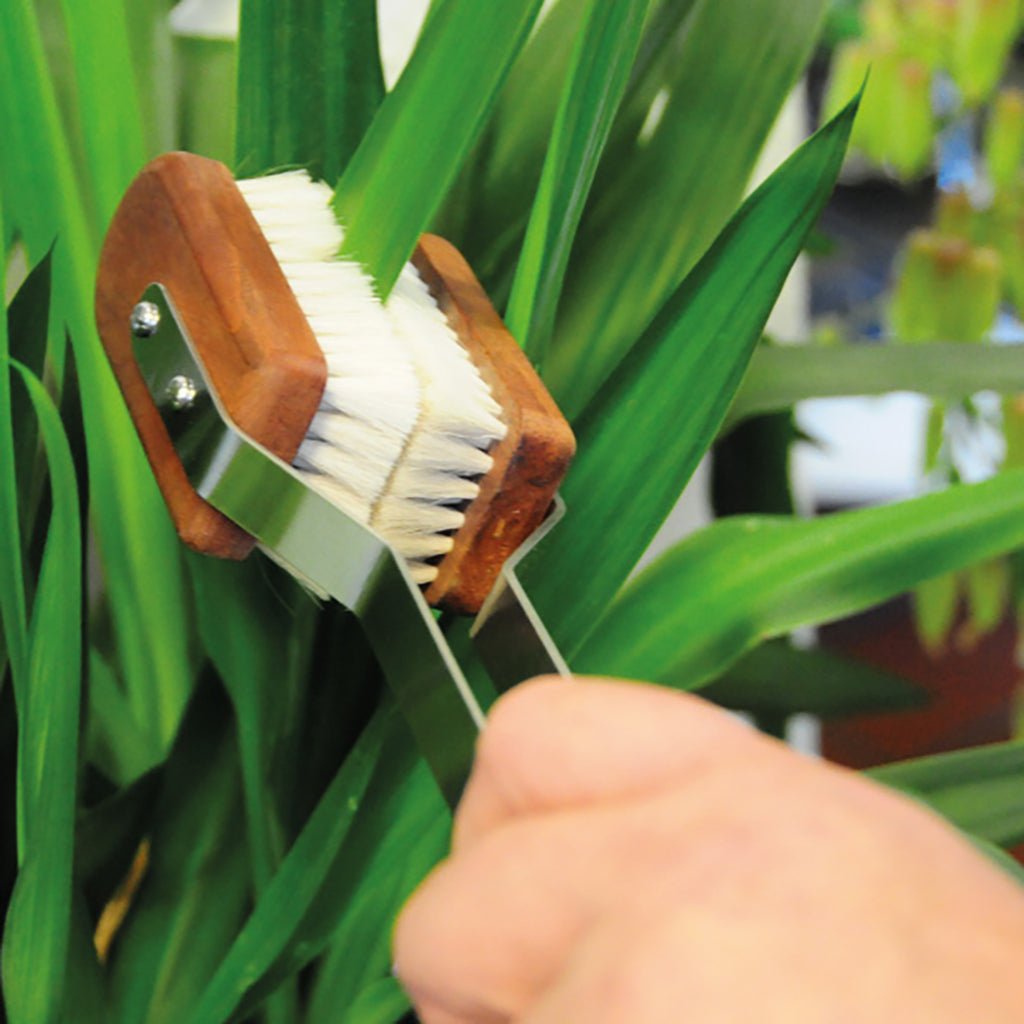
<point>145,319</point>
<point>181,391</point>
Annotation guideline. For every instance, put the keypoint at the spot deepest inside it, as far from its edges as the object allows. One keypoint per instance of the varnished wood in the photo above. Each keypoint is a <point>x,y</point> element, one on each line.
<point>531,460</point>
<point>184,223</point>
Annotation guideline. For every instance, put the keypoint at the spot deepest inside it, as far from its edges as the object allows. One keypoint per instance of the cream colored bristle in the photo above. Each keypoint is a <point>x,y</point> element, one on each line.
<point>406,420</point>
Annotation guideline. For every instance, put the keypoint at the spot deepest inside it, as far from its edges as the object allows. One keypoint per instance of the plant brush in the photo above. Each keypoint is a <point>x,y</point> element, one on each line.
<point>418,418</point>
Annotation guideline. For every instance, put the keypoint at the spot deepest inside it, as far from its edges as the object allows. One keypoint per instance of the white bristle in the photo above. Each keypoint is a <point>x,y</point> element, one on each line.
<point>405,420</point>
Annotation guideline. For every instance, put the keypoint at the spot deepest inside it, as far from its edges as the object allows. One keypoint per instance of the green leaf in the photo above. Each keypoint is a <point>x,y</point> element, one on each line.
<point>381,1002</point>
<point>136,541</point>
<point>209,76</point>
<point>660,204</point>
<point>705,602</point>
<point>28,318</point>
<point>254,624</point>
<point>780,375</point>
<point>410,844</point>
<point>309,83</point>
<point>36,932</point>
<point>644,433</point>
<point>13,609</point>
<point>598,73</point>
<point>195,892</point>
<point>779,679</point>
<point>279,913</point>
<point>485,213</point>
<point>936,603</point>
<point>425,128</point>
<point>108,103</point>
<point>85,995</point>
<point>980,790</point>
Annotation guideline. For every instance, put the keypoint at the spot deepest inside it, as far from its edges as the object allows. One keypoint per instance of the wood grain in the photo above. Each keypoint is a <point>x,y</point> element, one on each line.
<point>184,223</point>
<point>529,463</point>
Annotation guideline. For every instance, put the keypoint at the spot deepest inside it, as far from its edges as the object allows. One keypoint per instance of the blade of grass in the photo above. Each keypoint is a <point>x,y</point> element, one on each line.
<point>85,995</point>
<point>276,916</point>
<point>644,433</point>
<point>108,102</point>
<point>309,83</point>
<point>28,318</point>
<point>115,743</point>
<point>779,679</point>
<point>13,606</point>
<point>980,790</point>
<point>254,633</point>
<point>406,851</point>
<point>598,74</point>
<point>736,62</point>
<point>137,543</point>
<point>36,931</point>
<point>425,128</point>
<point>694,611</point>
<point>780,376</point>
<point>488,213</point>
<point>152,53</point>
<point>196,888</point>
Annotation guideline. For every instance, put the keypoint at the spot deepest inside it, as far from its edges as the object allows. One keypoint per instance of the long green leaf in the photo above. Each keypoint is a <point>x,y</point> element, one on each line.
<point>980,790</point>
<point>196,889</point>
<point>695,610</point>
<point>253,629</point>
<point>402,797</point>
<point>779,679</point>
<point>598,74</point>
<point>293,888</point>
<point>13,610</point>
<point>108,102</point>
<point>424,129</point>
<point>382,1002</point>
<point>488,212</point>
<point>658,206</point>
<point>647,429</point>
<point>137,543</point>
<point>780,376</point>
<point>28,318</point>
<point>405,853</point>
<point>309,83</point>
<point>37,928</point>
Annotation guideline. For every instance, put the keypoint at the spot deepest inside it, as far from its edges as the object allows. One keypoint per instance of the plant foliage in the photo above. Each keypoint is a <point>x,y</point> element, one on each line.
<point>216,811</point>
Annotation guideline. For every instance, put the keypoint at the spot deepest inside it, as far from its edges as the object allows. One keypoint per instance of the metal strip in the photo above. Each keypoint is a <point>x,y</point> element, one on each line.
<point>338,556</point>
<point>319,543</point>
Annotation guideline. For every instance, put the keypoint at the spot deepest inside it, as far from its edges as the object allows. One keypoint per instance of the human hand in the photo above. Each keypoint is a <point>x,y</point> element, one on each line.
<point>625,853</point>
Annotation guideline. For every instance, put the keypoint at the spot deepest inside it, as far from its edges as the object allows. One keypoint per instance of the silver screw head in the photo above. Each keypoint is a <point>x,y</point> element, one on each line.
<point>181,392</point>
<point>145,319</point>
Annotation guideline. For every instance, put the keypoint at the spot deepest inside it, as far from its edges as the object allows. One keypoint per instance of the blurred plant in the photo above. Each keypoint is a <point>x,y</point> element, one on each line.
<point>951,282</point>
<point>909,46</point>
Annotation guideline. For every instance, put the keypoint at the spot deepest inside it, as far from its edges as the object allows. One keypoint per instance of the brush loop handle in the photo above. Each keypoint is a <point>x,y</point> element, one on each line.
<point>183,223</point>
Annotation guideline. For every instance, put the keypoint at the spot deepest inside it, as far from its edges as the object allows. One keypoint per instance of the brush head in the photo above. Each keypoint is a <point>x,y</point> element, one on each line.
<point>419,417</point>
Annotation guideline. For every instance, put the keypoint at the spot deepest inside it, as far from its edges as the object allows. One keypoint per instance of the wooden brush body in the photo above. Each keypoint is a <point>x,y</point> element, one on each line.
<point>184,223</point>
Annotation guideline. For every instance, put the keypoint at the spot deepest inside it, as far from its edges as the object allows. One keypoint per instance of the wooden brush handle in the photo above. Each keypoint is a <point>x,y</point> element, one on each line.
<point>184,223</point>
<point>531,460</point>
